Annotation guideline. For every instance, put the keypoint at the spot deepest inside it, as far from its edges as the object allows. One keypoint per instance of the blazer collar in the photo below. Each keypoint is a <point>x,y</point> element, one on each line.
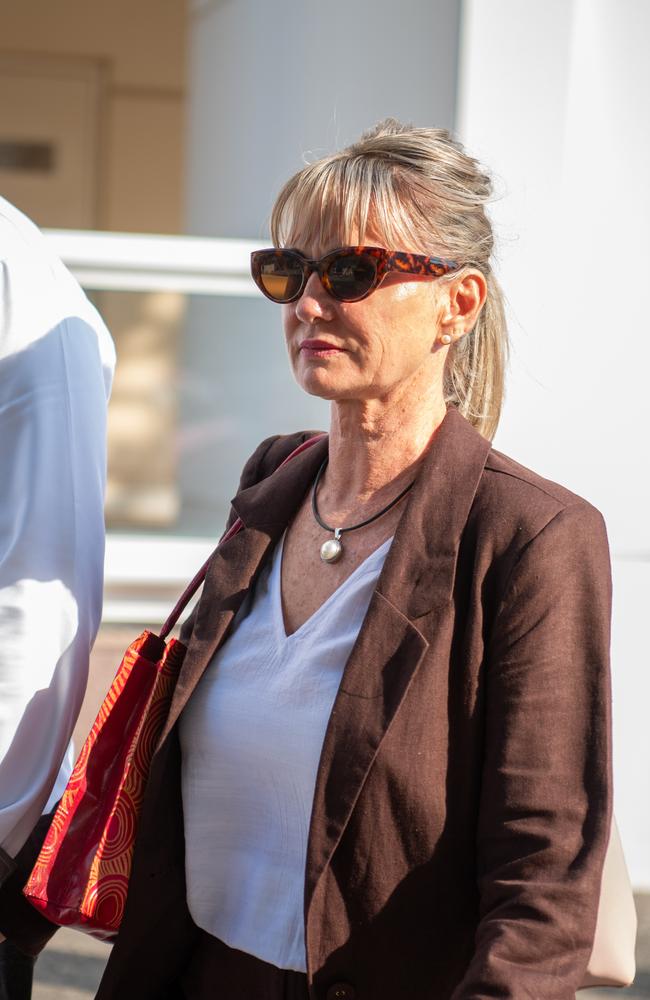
<point>420,568</point>
<point>270,504</point>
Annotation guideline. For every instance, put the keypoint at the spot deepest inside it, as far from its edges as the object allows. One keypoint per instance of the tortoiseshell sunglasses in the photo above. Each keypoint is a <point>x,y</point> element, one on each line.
<point>349,274</point>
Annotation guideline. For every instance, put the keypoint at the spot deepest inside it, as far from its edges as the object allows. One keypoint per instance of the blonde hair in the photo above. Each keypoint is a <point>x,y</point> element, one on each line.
<point>418,190</point>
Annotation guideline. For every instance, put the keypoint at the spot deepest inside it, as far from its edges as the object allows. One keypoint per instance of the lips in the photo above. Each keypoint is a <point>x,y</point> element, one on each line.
<point>318,345</point>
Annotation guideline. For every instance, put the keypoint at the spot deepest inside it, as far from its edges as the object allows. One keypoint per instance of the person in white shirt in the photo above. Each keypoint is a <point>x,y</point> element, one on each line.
<point>56,367</point>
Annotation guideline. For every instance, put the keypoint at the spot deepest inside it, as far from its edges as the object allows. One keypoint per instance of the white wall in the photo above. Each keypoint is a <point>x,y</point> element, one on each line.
<point>271,82</point>
<point>555,98</point>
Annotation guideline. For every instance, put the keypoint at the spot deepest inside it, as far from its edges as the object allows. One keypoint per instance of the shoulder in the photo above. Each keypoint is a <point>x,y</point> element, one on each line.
<point>22,244</point>
<point>509,491</point>
<point>529,536</point>
<point>264,460</point>
<point>41,302</point>
<point>503,473</point>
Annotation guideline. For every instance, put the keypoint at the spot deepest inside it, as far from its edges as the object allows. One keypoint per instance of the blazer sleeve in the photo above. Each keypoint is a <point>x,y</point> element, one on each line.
<point>545,808</point>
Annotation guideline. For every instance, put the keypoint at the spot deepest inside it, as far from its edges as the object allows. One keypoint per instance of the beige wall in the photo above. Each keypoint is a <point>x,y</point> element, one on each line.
<point>130,155</point>
<point>140,49</point>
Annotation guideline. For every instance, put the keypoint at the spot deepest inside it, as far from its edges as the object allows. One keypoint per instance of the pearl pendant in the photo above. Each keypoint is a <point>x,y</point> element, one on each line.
<point>332,550</point>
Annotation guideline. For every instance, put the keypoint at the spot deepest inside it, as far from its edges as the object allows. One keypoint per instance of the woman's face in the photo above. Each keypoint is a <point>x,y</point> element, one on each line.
<point>364,350</point>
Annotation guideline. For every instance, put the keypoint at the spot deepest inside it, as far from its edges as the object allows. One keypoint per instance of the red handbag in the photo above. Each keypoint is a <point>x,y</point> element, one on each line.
<point>81,876</point>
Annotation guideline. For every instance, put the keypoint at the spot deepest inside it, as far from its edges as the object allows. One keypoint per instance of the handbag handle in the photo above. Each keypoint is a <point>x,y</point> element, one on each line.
<point>234,528</point>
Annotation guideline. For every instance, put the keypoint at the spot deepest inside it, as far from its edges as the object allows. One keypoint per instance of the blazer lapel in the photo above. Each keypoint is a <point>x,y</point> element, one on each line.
<point>266,509</point>
<point>385,657</point>
<point>417,580</point>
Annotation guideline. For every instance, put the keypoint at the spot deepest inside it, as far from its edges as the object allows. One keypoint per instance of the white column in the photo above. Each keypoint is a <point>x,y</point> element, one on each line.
<point>555,97</point>
<point>271,83</point>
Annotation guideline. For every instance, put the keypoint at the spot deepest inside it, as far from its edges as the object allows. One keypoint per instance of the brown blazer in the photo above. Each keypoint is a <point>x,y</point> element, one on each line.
<point>462,803</point>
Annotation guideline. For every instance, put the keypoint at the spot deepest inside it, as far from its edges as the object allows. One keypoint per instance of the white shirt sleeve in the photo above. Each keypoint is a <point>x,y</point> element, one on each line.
<point>56,365</point>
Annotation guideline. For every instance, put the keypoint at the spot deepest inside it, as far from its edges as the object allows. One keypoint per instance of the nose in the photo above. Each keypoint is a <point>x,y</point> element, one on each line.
<point>314,303</point>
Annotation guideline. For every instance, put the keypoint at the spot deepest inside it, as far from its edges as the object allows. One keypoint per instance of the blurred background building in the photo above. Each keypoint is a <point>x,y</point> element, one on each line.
<point>180,119</point>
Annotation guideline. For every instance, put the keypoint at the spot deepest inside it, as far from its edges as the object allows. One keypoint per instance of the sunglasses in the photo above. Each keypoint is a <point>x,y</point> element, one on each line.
<point>348,274</point>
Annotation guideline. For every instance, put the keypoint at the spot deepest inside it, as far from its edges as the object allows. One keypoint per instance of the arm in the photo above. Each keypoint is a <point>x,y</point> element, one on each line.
<point>546,796</point>
<point>55,362</point>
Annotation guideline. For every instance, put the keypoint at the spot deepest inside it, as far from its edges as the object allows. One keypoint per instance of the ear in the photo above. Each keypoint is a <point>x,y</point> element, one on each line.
<point>466,296</point>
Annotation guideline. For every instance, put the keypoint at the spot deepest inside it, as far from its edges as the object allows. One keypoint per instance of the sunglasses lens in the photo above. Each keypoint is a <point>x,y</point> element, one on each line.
<point>280,276</point>
<point>351,277</point>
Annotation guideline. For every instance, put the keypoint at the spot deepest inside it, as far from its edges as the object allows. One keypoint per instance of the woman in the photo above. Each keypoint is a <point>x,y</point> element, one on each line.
<point>391,740</point>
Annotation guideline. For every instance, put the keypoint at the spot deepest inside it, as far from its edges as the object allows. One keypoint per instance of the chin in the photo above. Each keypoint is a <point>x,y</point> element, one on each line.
<point>312,388</point>
<point>331,393</point>
<point>318,383</point>
<point>322,381</point>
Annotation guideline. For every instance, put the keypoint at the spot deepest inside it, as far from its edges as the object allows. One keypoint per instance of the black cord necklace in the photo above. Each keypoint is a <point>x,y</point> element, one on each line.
<point>332,550</point>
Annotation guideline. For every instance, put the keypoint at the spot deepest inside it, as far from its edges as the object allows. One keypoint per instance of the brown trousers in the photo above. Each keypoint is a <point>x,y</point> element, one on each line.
<point>217,972</point>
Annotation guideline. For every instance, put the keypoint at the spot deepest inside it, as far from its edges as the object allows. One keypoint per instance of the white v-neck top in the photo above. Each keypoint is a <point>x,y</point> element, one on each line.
<point>251,737</point>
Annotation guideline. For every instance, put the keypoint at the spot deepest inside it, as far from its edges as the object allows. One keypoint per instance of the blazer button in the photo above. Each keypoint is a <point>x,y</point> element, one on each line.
<point>340,991</point>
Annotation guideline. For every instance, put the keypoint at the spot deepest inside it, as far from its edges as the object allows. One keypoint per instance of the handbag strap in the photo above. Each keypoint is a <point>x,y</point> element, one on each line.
<point>235,527</point>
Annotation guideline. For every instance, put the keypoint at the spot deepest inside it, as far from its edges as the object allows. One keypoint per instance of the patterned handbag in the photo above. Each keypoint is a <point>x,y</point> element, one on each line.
<point>81,876</point>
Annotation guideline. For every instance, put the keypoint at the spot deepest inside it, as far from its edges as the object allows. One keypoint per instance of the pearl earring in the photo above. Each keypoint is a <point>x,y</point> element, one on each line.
<point>445,339</point>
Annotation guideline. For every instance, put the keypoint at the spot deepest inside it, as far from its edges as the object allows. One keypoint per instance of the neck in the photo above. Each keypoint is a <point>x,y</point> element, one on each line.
<point>375,445</point>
